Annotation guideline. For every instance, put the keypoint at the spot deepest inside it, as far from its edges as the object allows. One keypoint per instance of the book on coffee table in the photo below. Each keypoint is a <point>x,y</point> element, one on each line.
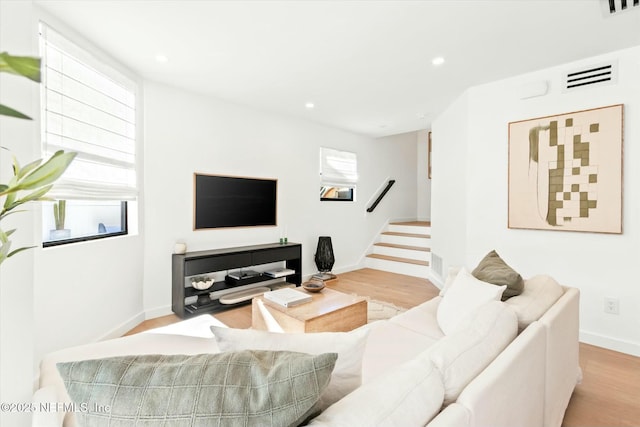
<point>287,297</point>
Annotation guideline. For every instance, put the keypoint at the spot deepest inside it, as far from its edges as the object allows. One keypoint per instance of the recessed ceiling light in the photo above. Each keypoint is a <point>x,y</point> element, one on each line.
<point>309,105</point>
<point>438,60</point>
<point>161,58</point>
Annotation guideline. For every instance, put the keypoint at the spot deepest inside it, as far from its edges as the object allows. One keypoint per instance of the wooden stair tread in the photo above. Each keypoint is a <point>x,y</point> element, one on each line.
<point>413,223</point>
<point>399,259</point>
<point>411,248</point>
<point>395,233</point>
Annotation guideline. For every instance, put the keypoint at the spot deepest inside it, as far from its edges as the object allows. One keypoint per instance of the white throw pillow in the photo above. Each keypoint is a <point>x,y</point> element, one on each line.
<point>347,374</point>
<point>463,297</point>
<point>451,276</point>
<point>539,294</point>
<point>477,341</point>
<point>409,395</point>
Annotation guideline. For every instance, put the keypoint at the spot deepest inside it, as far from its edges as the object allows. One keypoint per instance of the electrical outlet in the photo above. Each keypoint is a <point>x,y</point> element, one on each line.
<point>612,305</point>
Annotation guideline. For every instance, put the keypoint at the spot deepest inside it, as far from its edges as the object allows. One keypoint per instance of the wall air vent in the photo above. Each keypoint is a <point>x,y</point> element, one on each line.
<point>612,7</point>
<point>596,75</point>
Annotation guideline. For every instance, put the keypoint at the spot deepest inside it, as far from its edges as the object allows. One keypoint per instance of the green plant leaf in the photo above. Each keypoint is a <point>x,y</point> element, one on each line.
<point>8,111</point>
<point>27,66</point>
<point>3,188</point>
<point>16,165</point>
<point>12,253</point>
<point>11,197</point>
<point>10,187</point>
<point>48,172</point>
<point>7,190</point>
<point>28,168</point>
<point>5,214</point>
<point>36,195</point>
<point>5,248</point>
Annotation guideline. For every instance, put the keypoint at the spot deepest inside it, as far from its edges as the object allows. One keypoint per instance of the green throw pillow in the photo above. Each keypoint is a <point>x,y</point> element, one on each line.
<point>246,388</point>
<point>493,269</point>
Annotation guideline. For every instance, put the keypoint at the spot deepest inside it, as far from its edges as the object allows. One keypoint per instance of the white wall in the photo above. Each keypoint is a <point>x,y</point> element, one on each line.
<point>87,291</point>
<point>599,265</point>
<point>187,132</point>
<point>423,184</point>
<point>16,275</point>
<point>449,186</point>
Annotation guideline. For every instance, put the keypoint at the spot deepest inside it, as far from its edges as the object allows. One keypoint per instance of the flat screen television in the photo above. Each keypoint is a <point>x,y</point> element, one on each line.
<point>229,201</point>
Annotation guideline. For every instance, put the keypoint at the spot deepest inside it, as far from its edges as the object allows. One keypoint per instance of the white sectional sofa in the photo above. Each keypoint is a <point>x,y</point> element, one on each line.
<point>507,364</point>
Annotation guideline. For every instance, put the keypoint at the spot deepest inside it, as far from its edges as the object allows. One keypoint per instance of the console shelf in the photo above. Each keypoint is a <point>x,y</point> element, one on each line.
<point>204,262</point>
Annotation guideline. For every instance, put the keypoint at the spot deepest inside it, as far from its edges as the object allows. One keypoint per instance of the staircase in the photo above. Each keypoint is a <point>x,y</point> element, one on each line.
<point>404,248</point>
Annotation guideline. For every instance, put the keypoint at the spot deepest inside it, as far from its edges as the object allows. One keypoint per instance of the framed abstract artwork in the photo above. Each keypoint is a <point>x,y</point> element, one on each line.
<point>565,171</point>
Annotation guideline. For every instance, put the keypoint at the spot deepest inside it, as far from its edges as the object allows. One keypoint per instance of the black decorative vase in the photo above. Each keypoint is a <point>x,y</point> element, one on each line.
<point>324,255</point>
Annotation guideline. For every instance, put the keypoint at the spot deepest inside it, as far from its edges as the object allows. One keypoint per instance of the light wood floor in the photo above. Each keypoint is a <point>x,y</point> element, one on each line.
<point>609,395</point>
<point>610,391</point>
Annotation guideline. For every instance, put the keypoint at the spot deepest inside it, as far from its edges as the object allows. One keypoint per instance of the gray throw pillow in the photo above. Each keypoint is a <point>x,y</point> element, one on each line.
<point>246,388</point>
<point>493,269</point>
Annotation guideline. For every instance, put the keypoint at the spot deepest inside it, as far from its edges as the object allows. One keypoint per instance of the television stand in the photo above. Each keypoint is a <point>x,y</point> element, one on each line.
<point>218,260</point>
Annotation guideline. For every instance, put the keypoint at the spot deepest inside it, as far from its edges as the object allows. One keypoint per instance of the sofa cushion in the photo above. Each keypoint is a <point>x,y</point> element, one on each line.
<point>245,388</point>
<point>463,354</point>
<point>421,319</point>
<point>409,395</point>
<point>493,269</point>
<point>463,297</point>
<point>347,374</point>
<point>390,345</point>
<point>539,294</point>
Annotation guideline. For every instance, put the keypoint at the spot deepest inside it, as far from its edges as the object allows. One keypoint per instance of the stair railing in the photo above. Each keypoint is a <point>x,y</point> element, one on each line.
<point>382,194</point>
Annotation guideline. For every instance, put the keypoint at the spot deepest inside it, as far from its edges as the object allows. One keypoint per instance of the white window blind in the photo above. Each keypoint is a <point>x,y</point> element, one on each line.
<point>338,168</point>
<point>89,108</point>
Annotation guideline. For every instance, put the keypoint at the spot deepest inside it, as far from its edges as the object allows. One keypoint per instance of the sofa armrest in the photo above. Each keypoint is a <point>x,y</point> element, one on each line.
<point>561,322</point>
<point>510,391</point>
<point>454,415</point>
<point>45,399</point>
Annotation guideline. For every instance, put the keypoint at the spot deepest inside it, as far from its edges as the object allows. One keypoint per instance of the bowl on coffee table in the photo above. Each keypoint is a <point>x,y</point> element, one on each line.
<point>313,286</point>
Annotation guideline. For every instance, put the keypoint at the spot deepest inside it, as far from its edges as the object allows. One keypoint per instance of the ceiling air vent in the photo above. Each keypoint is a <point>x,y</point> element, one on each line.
<point>595,75</point>
<point>612,7</point>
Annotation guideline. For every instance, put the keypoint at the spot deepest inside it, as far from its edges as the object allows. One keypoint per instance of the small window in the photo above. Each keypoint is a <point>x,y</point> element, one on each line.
<point>76,221</point>
<point>344,194</point>
<point>88,108</point>
<point>338,175</point>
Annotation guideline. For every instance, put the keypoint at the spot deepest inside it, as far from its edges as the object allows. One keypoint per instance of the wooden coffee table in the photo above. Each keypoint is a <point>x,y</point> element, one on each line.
<point>329,311</point>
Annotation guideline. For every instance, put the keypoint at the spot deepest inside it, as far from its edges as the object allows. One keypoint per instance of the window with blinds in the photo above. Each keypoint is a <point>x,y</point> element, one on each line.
<point>338,175</point>
<point>88,108</point>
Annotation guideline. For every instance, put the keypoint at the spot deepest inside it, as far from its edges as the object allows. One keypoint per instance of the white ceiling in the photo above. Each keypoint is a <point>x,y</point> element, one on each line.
<point>366,65</point>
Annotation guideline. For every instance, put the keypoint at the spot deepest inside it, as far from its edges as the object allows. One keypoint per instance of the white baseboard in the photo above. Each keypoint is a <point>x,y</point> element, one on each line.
<point>437,281</point>
<point>164,310</point>
<point>124,327</point>
<point>135,320</point>
<point>614,344</point>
